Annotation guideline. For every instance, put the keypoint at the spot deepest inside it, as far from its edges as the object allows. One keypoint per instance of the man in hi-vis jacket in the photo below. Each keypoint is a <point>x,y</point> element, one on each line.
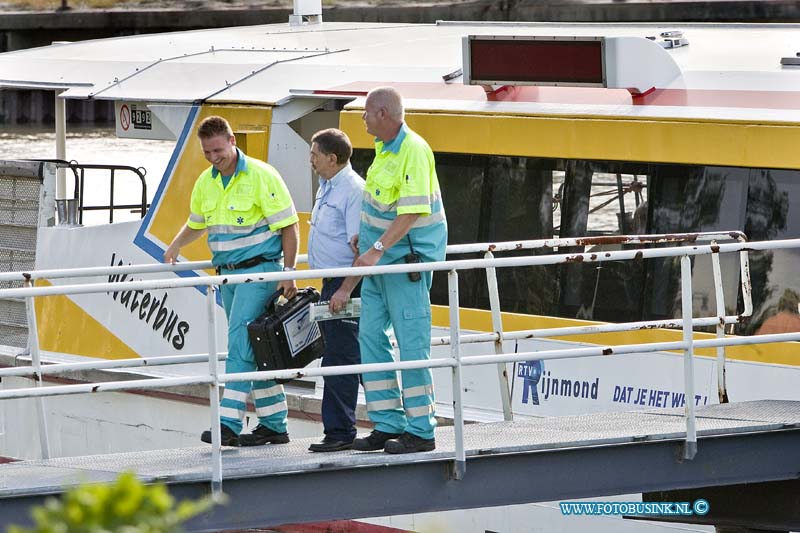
<point>402,221</point>
<point>250,218</point>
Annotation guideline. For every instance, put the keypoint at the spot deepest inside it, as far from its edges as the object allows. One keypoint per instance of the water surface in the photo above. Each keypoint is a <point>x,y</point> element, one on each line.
<point>95,146</point>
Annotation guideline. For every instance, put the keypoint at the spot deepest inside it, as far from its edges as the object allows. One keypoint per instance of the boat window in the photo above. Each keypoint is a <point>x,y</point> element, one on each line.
<point>602,198</point>
<point>773,212</point>
<point>494,198</point>
<point>489,199</point>
<point>686,199</point>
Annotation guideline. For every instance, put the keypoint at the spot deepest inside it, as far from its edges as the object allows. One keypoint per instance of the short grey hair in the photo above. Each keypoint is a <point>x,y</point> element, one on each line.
<point>389,99</point>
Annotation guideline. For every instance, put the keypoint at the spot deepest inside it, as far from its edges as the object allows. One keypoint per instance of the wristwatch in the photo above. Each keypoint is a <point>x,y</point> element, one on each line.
<point>378,245</point>
<point>289,269</point>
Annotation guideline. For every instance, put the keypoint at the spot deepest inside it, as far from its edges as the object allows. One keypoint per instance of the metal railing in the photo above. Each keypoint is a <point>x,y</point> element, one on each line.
<point>79,175</point>
<point>111,207</point>
<point>455,361</point>
<point>488,249</point>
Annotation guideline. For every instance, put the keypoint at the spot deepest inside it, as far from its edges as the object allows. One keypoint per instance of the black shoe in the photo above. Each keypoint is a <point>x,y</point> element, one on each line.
<point>374,441</point>
<point>408,443</point>
<point>228,437</point>
<point>331,445</point>
<point>262,435</point>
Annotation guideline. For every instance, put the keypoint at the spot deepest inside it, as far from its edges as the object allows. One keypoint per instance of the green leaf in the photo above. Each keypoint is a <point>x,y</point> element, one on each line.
<point>125,506</point>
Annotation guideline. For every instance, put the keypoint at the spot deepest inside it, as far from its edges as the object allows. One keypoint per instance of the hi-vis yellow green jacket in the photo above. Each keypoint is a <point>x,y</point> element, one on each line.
<point>402,180</point>
<point>243,219</point>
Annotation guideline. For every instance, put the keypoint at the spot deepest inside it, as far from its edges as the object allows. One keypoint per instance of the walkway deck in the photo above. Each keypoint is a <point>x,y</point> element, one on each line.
<point>507,463</point>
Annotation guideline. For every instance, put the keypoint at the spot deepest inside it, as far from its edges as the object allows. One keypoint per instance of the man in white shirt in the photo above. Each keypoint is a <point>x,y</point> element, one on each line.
<point>335,222</point>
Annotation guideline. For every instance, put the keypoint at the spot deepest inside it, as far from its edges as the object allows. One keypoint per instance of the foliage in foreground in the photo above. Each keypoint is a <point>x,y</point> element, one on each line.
<point>125,506</point>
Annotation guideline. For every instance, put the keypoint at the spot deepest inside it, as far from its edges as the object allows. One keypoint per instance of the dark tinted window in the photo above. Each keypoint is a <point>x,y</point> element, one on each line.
<point>491,199</point>
<point>686,199</point>
<point>602,198</point>
<point>773,212</point>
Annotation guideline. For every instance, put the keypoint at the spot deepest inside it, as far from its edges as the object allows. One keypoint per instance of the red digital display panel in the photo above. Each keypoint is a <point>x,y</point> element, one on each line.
<point>566,62</point>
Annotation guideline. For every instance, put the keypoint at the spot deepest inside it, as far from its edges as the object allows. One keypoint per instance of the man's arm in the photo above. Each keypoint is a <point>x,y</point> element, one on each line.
<point>290,242</point>
<point>185,236</point>
<point>396,231</point>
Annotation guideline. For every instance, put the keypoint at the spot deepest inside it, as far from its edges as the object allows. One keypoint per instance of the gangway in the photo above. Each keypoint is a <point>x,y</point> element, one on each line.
<point>558,458</point>
<point>475,465</point>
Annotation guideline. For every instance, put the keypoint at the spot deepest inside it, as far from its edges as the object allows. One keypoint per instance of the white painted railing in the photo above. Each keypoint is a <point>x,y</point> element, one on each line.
<point>455,340</point>
<point>487,249</point>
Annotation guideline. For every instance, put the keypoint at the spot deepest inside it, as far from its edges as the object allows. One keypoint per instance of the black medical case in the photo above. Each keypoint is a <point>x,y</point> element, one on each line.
<point>284,336</point>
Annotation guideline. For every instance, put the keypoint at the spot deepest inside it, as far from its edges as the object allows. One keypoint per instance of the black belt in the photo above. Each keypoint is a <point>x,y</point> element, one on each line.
<point>247,263</point>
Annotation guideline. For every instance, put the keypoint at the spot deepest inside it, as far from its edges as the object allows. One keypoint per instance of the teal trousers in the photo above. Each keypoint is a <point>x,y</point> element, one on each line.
<point>393,301</point>
<point>243,303</point>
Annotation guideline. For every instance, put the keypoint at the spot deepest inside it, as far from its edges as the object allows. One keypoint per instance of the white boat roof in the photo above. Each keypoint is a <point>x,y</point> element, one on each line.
<point>729,72</point>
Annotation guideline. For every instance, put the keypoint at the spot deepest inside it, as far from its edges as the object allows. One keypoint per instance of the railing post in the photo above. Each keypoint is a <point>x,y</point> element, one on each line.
<point>497,326</point>
<point>111,199</point>
<point>36,363</point>
<point>213,394</point>
<point>747,286</point>
<point>722,389</point>
<point>81,197</point>
<point>61,144</point>
<point>690,447</point>
<point>455,352</point>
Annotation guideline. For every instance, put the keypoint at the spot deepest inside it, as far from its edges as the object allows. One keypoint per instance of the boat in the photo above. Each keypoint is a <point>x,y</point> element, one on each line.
<point>679,132</point>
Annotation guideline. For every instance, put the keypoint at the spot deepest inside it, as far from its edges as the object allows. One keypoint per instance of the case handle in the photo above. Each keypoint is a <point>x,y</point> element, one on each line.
<point>270,305</point>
